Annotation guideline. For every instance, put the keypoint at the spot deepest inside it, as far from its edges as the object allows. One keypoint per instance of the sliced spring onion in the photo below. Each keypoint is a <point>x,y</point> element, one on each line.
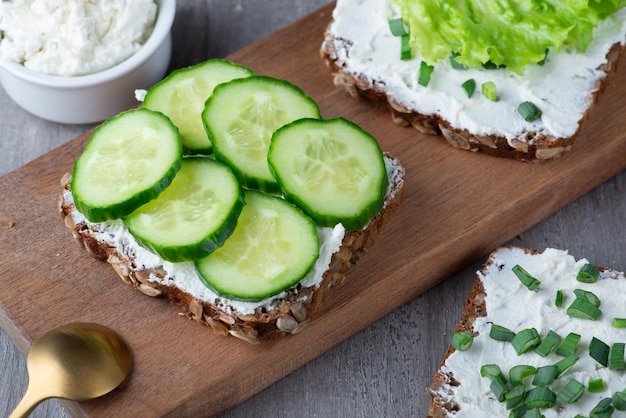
<point>588,274</point>
<point>519,411</point>
<point>489,91</point>
<point>500,333</point>
<point>603,408</point>
<point>540,397</point>
<point>595,385</point>
<point>469,86</point>
<point>619,322</point>
<point>455,64</point>
<point>565,363</point>
<point>490,65</point>
<point>425,73</point>
<point>582,308</point>
<point>616,358</point>
<point>397,27</point>
<point>549,342</point>
<point>515,396</point>
<point>519,372</point>
<point>568,345</point>
<point>525,340</point>
<point>571,392</point>
<point>599,351</point>
<point>405,48</point>
<point>590,296</point>
<point>619,401</point>
<point>558,300</point>
<point>543,61</point>
<point>462,341</point>
<point>527,280</point>
<point>492,372</point>
<point>529,111</point>
<point>533,413</point>
<point>499,389</point>
<point>545,375</point>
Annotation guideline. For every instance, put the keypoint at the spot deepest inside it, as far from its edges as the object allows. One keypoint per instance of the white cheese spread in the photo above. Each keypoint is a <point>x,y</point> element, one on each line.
<point>76,37</point>
<point>512,305</point>
<point>562,88</point>
<point>184,275</point>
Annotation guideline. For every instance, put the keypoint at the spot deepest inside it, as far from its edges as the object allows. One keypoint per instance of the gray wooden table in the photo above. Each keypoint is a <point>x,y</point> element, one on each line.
<point>384,370</point>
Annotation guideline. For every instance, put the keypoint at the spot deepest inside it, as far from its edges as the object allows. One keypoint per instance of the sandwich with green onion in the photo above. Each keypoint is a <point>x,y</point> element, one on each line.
<point>541,335</point>
<point>509,78</point>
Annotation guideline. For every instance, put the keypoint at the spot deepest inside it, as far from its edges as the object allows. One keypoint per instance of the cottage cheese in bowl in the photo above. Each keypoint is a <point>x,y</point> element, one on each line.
<point>76,37</point>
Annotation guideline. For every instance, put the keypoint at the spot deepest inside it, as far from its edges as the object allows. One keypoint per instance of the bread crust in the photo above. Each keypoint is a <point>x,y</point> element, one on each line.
<point>541,148</point>
<point>288,315</point>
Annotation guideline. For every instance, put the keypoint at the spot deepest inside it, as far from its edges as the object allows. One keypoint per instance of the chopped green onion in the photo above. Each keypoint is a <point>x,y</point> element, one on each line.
<point>515,396</point>
<point>500,333</point>
<point>519,372</point>
<point>588,274</point>
<point>619,322</point>
<point>558,300</point>
<point>571,392</point>
<point>499,389</point>
<point>540,397</point>
<point>489,91</point>
<point>565,363</point>
<point>529,111</point>
<point>545,375</point>
<point>533,413</point>
<point>405,48</point>
<point>590,296</point>
<point>595,385</point>
<point>425,73</point>
<point>492,372</point>
<point>599,351</point>
<point>469,86</point>
<point>397,27</point>
<point>518,412</point>
<point>527,280</point>
<point>569,345</point>
<point>462,341</point>
<point>543,61</point>
<point>548,343</point>
<point>602,409</point>
<point>455,64</point>
<point>619,401</point>
<point>582,308</point>
<point>616,358</point>
<point>525,340</point>
<point>490,65</point>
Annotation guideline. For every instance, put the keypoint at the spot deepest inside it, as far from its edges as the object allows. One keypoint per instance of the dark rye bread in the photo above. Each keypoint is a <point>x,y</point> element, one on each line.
<point>542,147</point>
<point>287,315</point>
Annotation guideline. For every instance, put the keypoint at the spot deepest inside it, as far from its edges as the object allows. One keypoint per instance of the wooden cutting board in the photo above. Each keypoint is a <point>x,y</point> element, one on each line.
<point>458,207</point>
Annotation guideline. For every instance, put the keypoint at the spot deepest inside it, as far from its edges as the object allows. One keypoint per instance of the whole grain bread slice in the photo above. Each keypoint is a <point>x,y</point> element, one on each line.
<point>532,146</point>
<point>288,314</point>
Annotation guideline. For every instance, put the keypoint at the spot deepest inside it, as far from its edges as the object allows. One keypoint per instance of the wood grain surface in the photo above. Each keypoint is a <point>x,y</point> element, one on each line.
<point>458,207</point>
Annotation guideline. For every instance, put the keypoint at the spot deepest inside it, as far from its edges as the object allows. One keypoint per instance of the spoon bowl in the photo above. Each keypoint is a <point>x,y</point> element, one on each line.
<point>78,361</point>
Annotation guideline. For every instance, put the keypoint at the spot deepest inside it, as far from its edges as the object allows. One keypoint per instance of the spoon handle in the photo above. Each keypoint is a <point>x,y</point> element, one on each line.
<point>30,400</point>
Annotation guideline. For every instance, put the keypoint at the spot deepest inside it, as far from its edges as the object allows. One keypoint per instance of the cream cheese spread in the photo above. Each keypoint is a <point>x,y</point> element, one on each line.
<point>510,304</point>
<point>562,88</point>
<point>184,275</point>
<point>75,37</point>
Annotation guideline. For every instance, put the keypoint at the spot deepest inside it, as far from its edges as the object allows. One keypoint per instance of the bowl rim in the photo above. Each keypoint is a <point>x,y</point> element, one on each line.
<point>164,21</point>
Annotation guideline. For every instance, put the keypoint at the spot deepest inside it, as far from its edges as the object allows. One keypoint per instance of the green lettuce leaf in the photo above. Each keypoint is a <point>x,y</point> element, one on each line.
<point>511,33</point>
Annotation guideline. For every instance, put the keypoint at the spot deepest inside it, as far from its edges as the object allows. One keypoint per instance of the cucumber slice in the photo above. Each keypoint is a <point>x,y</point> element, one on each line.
<point>240,118</point>
<point>128,161</point>
<point>181,96</point>
<point>332,169</point>
<point>273,247</point>
<point>194,215</point>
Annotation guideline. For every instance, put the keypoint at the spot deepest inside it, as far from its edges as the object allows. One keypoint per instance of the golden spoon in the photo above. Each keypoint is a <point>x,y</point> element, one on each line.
<point>78,362</point>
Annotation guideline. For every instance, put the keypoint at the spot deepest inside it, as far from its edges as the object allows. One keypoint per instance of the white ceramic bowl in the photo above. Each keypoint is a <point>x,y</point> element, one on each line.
<point>93,97</point>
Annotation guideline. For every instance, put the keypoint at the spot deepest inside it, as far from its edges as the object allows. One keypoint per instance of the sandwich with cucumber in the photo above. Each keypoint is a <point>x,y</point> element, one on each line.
<point>542,334</point>
<point>246,224</point>
<point>512,78</point>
